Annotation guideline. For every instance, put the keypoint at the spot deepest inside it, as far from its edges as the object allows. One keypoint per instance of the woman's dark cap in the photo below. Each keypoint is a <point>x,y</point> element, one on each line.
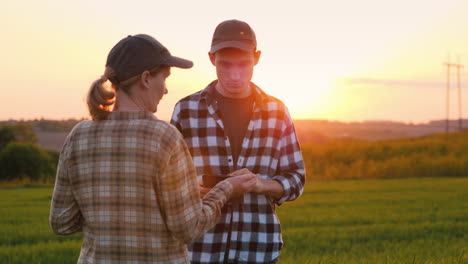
<point>135,54</point>
<point>233,34</point>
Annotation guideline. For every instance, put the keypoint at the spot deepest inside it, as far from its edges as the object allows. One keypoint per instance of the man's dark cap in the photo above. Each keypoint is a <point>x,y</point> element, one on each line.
<point>135,54</point>
<point>233,34</point>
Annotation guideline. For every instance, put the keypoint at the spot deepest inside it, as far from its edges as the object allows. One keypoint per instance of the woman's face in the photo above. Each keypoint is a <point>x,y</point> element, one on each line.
<point>156,89</point>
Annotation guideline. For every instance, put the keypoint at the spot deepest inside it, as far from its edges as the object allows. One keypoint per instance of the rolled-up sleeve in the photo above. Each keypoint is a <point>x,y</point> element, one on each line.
<point>291,171</point>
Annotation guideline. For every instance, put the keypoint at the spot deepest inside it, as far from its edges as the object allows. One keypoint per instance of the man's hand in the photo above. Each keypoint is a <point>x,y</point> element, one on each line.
<point>267,187</point>
<point>241,184</point>
<point>258,183</point>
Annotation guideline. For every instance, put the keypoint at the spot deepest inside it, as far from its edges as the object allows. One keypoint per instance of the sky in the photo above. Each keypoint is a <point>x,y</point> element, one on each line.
<point>337,60</point>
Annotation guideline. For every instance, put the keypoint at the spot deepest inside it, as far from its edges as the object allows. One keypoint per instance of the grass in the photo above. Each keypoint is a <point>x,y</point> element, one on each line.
<point>414,220</point>
<point>26,236</point>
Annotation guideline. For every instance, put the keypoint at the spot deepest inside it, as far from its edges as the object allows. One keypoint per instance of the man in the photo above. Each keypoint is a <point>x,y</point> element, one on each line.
<point>234,128</point>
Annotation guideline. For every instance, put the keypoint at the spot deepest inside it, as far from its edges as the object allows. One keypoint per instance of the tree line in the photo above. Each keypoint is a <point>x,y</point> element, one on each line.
<point>439,155</point>
<point>21,159</point>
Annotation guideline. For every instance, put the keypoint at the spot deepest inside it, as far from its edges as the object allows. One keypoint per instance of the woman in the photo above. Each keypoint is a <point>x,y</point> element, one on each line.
<point>126,179</point>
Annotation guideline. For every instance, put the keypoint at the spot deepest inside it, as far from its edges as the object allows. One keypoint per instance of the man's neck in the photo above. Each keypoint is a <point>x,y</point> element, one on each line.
<point>244,94</point>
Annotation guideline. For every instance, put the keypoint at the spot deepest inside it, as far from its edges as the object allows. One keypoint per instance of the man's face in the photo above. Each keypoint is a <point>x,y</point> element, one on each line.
<point>234,68</point>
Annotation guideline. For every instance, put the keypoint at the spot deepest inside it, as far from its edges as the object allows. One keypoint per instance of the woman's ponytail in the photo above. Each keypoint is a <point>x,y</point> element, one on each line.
<point>99,99</point>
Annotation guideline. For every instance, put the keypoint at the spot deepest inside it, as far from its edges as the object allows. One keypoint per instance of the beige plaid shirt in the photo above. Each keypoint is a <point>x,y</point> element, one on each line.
<point>129,184</point>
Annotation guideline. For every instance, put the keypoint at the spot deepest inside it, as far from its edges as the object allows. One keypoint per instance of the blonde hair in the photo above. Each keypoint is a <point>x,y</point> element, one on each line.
<point>100,99</point>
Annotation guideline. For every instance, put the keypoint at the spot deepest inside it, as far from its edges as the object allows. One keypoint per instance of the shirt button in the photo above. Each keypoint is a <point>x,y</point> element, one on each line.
<point>230,160</point>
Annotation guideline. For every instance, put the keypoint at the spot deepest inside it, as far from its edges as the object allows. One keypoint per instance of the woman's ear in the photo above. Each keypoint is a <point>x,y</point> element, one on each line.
<point>145,79</point>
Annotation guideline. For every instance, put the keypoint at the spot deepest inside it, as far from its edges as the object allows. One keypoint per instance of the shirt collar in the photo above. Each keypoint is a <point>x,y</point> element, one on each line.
<point>120,115</point>
<point>207,94</point>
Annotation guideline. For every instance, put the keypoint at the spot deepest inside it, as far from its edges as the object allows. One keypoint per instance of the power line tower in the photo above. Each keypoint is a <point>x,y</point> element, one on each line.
<point>458,66</point>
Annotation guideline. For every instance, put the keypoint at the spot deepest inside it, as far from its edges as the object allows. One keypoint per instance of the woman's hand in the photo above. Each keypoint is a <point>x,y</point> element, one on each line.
<point>203,190</point>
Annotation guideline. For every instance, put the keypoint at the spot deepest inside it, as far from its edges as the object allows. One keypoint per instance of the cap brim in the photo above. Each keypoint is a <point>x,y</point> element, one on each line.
<point>232,44</point>
<point>178,62</point>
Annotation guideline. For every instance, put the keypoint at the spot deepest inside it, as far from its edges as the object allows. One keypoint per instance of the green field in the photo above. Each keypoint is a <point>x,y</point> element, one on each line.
<point>414,220</point>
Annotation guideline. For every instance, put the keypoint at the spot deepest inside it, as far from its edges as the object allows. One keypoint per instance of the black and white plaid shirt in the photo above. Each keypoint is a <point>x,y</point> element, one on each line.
<point>250,231</point>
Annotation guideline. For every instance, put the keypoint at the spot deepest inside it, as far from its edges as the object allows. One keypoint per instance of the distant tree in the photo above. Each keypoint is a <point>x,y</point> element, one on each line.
<point>18,132</point>
<point>7,135</point>
<point>54,157</point>
<point>20,160</point>
<point>24,133</point>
